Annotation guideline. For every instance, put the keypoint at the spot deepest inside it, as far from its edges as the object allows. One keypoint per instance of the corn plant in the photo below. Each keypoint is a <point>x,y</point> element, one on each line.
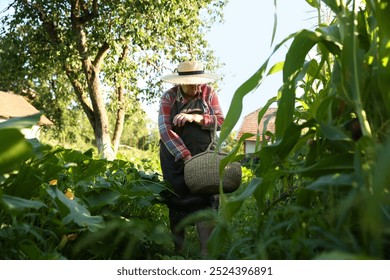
<point>321,188</point>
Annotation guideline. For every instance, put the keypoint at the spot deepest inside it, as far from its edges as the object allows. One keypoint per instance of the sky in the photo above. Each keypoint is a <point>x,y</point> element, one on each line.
<point>243,43</point>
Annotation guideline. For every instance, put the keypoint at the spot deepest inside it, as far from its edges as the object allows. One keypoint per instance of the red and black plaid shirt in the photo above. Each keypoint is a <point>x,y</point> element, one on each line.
<point>172,141</point>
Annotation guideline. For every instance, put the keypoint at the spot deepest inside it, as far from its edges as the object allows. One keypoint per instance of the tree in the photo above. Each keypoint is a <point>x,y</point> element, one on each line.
<point>104,49</point>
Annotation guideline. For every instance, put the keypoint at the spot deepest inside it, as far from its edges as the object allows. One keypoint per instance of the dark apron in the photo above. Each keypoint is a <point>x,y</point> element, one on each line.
<point>196,140</point>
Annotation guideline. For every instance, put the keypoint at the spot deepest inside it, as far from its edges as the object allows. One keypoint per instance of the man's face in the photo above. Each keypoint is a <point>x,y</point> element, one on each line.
<point>189,90</point>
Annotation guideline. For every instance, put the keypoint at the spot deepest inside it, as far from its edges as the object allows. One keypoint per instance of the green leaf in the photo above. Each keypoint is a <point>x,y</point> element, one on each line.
<point>105,196</point>
<point>14,203</point>
<point>282,147</point>
<point>313,3</point>
<point>248,86</point>
<point>339,255</point>
<point>382,11</point>
<point>230,157</point>
<point>381,169</point>
<point>342,162</point>
<point>235,108</point>
<point>14,149</point>
<point>232,207</point>
<point>73,211</point>
<point>331,181</point>
<point>277,67</point>
<point>21,122</point>
<point>295,57</point>
<point>333,5</point>
<point>334,133</point>
<point>303,42</point>
<point>217,238</point>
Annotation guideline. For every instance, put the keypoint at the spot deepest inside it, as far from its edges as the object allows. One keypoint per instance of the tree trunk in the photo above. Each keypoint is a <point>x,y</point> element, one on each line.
<point>120,120</point>
<point>91,71</point>
<point>120,113</point>
<point>101,128</point>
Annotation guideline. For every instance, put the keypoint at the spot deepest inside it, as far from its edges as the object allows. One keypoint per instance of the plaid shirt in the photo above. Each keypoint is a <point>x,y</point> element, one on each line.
<point>171,139</point>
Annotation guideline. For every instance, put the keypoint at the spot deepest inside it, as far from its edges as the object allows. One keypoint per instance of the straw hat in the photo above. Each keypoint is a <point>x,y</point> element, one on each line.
<point>190,73</point>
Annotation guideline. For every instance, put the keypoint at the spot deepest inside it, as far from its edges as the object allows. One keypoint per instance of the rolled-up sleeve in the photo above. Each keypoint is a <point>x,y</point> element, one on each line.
<point>214,109</point>
<point>171,140</point>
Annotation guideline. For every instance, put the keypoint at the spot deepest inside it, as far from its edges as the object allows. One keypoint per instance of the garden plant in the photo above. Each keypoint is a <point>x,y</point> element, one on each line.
<point>318,189</point>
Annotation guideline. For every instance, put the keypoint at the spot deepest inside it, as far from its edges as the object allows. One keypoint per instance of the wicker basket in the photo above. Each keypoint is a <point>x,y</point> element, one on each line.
<point>201,173</point>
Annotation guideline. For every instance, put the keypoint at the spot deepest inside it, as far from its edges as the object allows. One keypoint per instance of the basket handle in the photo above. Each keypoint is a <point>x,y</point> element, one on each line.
<point>213,143</point>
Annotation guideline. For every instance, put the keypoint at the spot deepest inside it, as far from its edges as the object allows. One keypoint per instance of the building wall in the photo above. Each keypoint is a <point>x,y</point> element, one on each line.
<point>32,132</point>
<point>250,147</point>
<point>29,133</point>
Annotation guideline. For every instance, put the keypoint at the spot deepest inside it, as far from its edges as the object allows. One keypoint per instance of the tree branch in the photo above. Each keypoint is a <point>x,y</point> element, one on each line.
<point>79,90</point>
<point>103,50</point>
<point>80,5</point>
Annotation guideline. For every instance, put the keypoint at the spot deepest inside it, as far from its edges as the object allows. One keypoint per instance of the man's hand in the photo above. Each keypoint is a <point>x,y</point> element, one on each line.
<point>182,118</point>
<point>187,158</point>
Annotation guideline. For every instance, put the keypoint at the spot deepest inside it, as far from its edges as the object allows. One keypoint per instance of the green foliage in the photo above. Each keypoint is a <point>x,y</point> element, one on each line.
<point>15,148</point>
<point>63,204</point>
<point>317,191</point>
<point>69,56</point>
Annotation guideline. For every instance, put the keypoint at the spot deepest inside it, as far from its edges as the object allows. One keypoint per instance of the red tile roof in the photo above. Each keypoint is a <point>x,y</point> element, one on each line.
<point>250,123</point>
<point>13,105</point>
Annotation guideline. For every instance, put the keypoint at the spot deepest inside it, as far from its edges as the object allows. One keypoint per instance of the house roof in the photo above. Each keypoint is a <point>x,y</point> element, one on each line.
<point>250,123</point>
<point>13,105</point>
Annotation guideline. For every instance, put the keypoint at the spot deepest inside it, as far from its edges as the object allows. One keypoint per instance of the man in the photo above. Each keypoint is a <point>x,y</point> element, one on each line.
<point>186,118</point>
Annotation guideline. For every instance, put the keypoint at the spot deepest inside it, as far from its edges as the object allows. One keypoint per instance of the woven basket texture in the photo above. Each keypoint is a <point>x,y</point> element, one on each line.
<point>201,174</point>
